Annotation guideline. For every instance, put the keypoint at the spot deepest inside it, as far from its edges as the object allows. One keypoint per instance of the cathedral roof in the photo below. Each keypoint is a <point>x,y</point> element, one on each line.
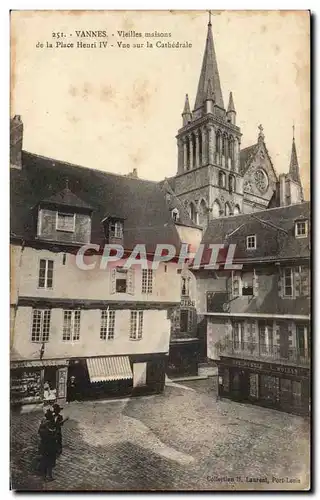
<point>140,203</point>
<point>209,71</point>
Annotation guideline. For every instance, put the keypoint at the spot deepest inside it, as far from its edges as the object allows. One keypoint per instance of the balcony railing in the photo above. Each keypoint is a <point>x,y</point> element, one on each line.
<point>267,352</point>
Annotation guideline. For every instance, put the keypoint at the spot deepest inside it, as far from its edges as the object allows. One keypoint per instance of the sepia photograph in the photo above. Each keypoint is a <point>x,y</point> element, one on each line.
<point>160,250</point>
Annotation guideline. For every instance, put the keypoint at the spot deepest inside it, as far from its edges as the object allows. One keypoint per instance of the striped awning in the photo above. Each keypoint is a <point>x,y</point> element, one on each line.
<point>109,368</point>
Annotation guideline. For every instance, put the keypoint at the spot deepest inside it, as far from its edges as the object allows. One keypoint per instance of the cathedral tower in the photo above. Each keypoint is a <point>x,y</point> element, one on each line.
<point>208,179</point>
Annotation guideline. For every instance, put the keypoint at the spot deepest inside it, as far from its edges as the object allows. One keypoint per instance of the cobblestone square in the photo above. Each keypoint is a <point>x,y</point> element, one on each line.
<point>182,439</point>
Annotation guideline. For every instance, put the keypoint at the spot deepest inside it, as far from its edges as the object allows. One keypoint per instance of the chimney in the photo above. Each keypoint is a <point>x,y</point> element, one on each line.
<point>134,173</point>
<point>16,138</point>
<point>282,189</point>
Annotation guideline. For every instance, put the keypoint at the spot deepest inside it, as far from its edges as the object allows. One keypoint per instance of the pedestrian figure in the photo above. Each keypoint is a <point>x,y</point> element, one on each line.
<point>48,445</point>
<point>72,389</point>
<point>59,421</point>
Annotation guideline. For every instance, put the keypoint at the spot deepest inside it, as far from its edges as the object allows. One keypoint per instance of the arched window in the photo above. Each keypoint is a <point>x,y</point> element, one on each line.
<point>232,183</point>
<point>188,153</point>
<point>222,179</point>
<point>216,209</point>
<point>203,214</point>
<point>227,209</point>
<point>236,210</point>
<point>175,214</point>
<point>218,141</point>
<point>200,148</point>
<point>231,148</point>
<point>223,145</point>
<point>193,213</point>
<point>194,156</point>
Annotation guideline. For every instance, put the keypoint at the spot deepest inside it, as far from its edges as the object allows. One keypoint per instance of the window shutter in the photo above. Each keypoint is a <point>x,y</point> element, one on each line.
<point>255,283</point>
<point>304,275</point>
<point>281,283</point>
<point>297,281</point>
<point>113,281</point>
<point>130,278</point>
<point>228,330</point>
<point>230,286</point>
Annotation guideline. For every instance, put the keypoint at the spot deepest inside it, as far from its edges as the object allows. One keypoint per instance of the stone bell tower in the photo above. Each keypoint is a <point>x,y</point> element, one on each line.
<point>208,179</point>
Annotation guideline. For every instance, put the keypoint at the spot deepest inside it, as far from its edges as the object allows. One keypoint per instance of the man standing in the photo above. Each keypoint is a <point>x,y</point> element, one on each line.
<point>48,446</point>
<point>59,421</point>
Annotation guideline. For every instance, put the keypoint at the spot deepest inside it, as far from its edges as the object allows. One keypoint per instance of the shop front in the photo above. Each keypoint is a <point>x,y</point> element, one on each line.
<point>183,358</point>
<point>39,381</point>
<point>276,386</point>
<point>107,377</point>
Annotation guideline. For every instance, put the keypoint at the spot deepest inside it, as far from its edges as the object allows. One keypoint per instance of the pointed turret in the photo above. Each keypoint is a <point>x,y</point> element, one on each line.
<point>231,112</point>
<point>294,165</point>
<point>186,113</point>
<point>209,71</point>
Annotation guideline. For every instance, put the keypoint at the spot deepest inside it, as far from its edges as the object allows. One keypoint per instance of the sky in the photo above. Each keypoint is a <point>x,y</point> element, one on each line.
<point>116,108</point>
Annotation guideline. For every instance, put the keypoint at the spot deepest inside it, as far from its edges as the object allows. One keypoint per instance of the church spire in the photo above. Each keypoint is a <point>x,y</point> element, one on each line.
<point>186,113</point>
<point>231,106</point>
<point>294,164</point>
<point>209,71</point>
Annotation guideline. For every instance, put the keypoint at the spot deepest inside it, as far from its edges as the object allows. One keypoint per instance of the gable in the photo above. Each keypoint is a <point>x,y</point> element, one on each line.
<point>260,179</point>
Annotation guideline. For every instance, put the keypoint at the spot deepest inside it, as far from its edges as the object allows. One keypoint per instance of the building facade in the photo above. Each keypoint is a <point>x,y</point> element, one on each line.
<point>258,316</point>
<point>92,332</point>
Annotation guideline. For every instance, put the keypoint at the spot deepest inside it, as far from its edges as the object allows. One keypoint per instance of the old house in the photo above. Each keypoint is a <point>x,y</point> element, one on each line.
<point>96,331</point>
<point>258,316</point>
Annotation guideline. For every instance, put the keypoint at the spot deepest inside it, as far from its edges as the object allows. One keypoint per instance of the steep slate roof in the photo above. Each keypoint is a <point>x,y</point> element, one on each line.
<point>66,198</point>
<point>209,71</point>
<point>274,229</point>
<point>141,203</point>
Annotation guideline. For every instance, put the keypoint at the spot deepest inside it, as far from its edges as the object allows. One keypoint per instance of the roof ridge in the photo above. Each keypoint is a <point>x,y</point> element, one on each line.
<point>89,168</point>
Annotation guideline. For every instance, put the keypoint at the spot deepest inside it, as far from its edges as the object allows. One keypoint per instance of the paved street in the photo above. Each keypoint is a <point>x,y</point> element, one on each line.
<point>180,440</point>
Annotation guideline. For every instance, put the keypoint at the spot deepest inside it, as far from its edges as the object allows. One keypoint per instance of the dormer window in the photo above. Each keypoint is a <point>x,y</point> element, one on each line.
<point>175,214</point>
<point>251,242</point>
<point>301,229</point>
<point>116,229</point>
<point>65,222</point>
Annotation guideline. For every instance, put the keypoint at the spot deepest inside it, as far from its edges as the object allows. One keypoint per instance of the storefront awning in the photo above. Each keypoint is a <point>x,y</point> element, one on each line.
<point>109,368</point>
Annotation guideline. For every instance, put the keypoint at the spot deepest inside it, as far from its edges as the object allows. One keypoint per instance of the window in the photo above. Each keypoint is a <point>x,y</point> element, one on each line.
<point>116,229</point>
<point>222,179</point>
<point>251,242</point>
<point>231,184</point>
<point>238,335</point>
<point>45,273</point>
<point>71,325</point>
<point>185,286</point>
<point>244,284</point>
<point>136,325</point>
<point>303,340</point>
<point>175,214</point>
<point>107,324</point>
<point>184,320</point>
<point>41,325</point>
<point>65,222</point>
<point>121,280</point>
<point>147,280</point>
<point>288,282</point>
<point>236,285</point>
<point>301,229</point>
<point>266,337</point>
